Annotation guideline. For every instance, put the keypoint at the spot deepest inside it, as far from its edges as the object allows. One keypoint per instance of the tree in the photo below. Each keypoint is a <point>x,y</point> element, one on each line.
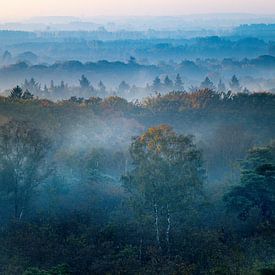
<point>62,85</point>
<point>123,87</point>
<point>84,82</point>
<point>23,152</point>
<point>33,86</point>
<point>52,86</point>
<point>256,190</point>
<point>167,174</point>
<point>168,83</point>
<point>156,84</point>
<point>101,88</point>
<point>207,84</point>
<point>179,83</point>
<point>235,84</point>
<point>45,90</point>
<point>132,60</point>
<point>16,93</point>
<point>221,87</point>
<point>7,57</point>
<point>246,90</point>
<point>27,95</point>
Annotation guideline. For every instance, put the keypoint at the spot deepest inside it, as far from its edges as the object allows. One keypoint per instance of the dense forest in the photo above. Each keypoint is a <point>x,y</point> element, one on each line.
<point>137,144</point>
<point>176,183</point>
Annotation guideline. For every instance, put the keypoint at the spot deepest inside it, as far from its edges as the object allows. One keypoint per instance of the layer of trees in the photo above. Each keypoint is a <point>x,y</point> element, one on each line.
<point>193,194</point>
<point>31,88</point>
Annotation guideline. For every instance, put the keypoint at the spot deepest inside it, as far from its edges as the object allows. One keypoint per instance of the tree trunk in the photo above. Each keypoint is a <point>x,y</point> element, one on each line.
<point>157,224</point>
<point>16,206</point>
<point>168,230</point>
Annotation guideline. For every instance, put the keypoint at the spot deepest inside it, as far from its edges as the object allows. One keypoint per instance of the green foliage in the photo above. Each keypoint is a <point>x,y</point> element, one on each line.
<point>257,186</point>
<point>166,177</point>
<point>16,93</point>
<point>22,162</point>
<point>165,218</point>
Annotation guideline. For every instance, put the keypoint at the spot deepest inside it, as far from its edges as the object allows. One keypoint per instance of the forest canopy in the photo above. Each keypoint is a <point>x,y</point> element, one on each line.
<point>176,183</point>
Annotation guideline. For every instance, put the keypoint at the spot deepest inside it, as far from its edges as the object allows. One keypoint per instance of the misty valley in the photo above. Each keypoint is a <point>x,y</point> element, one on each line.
<point>128,151</point>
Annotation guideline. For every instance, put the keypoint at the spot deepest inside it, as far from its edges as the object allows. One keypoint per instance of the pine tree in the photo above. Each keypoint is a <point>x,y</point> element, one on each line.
<point>257,186</point>
<point>84,82</point>
<point>221,87</point>
<point>101,88</point>
<point>27,95</point>
<point>235,84</point>
<point>178,83</point>
<point>168,83</point>
<point>156,84</point>
<point>16,93</point>
<point>207,84</point>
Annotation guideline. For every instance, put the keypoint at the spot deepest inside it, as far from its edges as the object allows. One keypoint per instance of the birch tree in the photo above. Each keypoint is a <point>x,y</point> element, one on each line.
<point>167,174</point>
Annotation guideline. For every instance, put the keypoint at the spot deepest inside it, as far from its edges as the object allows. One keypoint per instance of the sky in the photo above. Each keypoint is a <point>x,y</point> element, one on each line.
<point>19,9</point>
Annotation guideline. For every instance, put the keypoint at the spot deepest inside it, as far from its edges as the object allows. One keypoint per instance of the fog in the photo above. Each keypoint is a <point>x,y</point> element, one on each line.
<point>137,145</point>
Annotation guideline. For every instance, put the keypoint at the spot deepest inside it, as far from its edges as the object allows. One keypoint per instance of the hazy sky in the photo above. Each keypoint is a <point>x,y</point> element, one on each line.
<point>12,9</point>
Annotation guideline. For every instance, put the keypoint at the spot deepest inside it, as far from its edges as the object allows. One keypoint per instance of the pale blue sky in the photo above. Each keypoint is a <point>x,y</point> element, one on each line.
<point>12,9</point>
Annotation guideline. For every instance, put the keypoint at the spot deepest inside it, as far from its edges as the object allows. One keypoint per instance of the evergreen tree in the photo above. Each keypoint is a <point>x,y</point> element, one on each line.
<point>16,93</point>
<point>207,84</point>
<point>221,87</point>
<point>62,85</point>
<point>235,84</point>
<point>84,82</point>
<point>52,87</point>
<point>132,60</point>
<point>101,88</point>
<point>168,83</point>
<point>256,190</point>
<point>178,83</point>
<point>32,86</point>
<point>156,84</point>
<point>46,90</point>
<point>7,57</point>
<point>123,87</point>
<point>27,95</point>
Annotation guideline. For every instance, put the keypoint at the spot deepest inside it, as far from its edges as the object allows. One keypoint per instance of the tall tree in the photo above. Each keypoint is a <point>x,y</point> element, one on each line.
<point>27,95</point>
<point>167,174</point>
<point>207,84</point>
<point>123,87</point>
<point>23,152</point>
<point>156,84</point>
<point>235,84</point>
<point>84,82</point>
<point>7,57</point>
<point>16,93</point>
<point>178,83</point>
<point>101,88</point>
<point>256,190</point>
<point>221,87</point>
<point>168,83</point>
<point>33,86</point>
<point>132,60</point>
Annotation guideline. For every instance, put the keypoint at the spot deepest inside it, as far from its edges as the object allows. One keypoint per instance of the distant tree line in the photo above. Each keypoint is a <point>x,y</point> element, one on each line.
<point>31,88</point>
